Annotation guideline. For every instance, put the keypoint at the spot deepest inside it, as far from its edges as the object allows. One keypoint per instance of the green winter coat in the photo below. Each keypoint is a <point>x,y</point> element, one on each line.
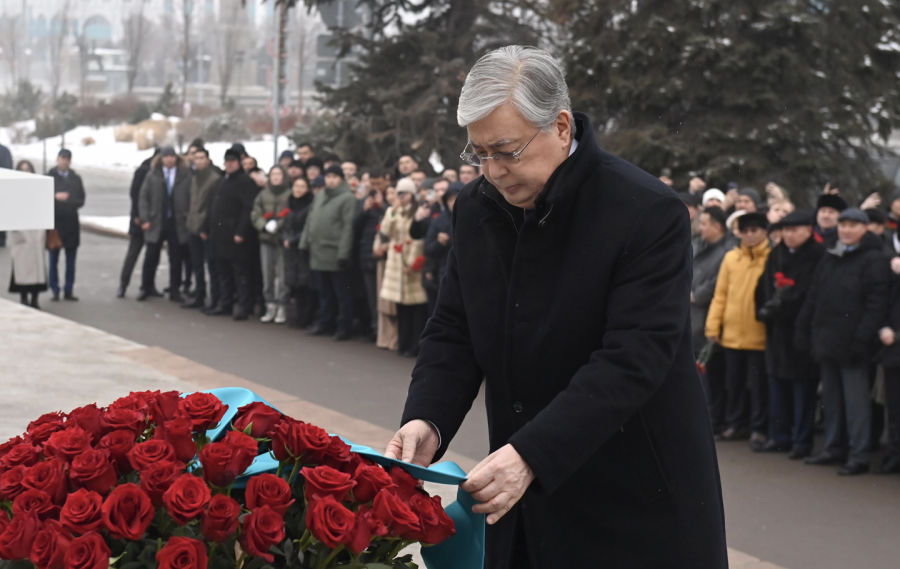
<point>328,235</point>
<point>271,203</point>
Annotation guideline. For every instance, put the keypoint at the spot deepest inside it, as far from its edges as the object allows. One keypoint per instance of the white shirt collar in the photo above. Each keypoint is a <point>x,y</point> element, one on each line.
<point>574,146</point>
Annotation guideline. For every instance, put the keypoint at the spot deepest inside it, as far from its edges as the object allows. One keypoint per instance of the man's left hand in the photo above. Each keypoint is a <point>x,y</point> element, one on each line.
<point>499,482</point>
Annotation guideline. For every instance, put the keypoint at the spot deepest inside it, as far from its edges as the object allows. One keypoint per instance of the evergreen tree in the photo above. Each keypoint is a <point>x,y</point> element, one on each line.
<point>798,92</point>
<point>410,61</point>
<point>166,102</point>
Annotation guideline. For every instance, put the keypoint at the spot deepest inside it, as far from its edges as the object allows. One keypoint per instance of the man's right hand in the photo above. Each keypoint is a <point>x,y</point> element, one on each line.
<point>137,220</point>
<point>203,236</point>
<point>416,442</point>
<point>714,339</point>
<point>146,226</point>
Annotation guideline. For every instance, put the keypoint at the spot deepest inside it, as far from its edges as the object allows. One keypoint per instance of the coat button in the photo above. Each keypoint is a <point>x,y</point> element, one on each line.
<point>517,407</point>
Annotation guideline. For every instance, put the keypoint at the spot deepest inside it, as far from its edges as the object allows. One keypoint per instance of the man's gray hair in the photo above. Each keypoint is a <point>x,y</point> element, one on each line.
<point>529,78</point>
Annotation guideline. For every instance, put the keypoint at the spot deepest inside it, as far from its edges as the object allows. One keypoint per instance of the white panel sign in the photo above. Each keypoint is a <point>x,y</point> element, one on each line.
<point>26,201</point>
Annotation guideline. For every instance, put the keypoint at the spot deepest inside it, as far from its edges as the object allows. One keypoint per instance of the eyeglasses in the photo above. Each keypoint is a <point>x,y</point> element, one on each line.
<point>502,158</point>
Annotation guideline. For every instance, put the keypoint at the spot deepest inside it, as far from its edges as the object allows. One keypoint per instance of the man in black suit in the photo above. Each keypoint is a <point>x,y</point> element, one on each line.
<point>567,292</point>
<point>68,191</point>
<point>135,233</point>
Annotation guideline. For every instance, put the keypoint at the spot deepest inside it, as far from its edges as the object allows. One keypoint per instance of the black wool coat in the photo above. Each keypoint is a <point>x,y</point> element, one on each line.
<point>846,305</point>
<point>365,227</point>
<point>229,215</point>
<point>577,318</point>
<point>435,252</point>
<point>65,212</point>
<point>783,359</point>
<point>135,193</point>
<point>296,262</point>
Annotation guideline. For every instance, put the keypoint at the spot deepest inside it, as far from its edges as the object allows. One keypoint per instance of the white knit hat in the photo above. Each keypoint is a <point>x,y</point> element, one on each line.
<point>711,194</point>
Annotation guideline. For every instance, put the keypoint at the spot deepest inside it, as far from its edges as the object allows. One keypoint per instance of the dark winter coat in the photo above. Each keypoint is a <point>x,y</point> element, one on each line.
<point>365,227</point>
<point>827,237</point>
<point>435,253</point>
<point>6,160</point>
<point>707,260</point>
<point>328,234</point>
<point>66,212</point>
<point>154,195</point>
<point>891,354</point>
<point>296,262</point>
<point>202,185</point>
<point>136,182</point>
<point>229,215</point>
<point>783,359</point>
<point>578,319</point>
<point>846,304</point>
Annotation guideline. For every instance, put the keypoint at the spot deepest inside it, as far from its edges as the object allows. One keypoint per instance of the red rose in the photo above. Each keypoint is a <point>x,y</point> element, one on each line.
<point>223,463</point>
<point>186,499</point>
<point>8,446</point>
<point>133,402</point>
<point>4,521</point>
<point>182,553</point>
<point>11,482</point>
<point>337,455</point>
<point>164,407</point>
<point>244,442</point>
<point>263,528</point>
<point>268,490</point>
<point>87,552</point>
<point>324,481</point>
<point>329,521</point>
<point>296,440</point>
<point>177,433</point>
<point>88,418</point>
<point>370,479</point>
<point>366,527</point>
<point>83,512</point>
<point>259,417</point>
<point>127,419</point>
<point>36,501</point>
<point>405,485</point>
<point>18,537</point>
<point>119,443</point>
<point>40,434</point>
<point>127,512</point>
<point>24,454</point>
<point>68,444</point>
<point>145,454</point>
<point>50,546</point>
<point>396,515</point>
<point>159,477</point>
<point>49,476</point>
<point>56,417</point>
<point>203,410</point>
<point>93,470</point>
<point>220,521</point>
<point>435,525</point>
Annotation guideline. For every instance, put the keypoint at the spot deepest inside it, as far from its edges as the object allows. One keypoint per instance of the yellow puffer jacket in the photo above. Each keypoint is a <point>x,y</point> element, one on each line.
<point>732,314</point>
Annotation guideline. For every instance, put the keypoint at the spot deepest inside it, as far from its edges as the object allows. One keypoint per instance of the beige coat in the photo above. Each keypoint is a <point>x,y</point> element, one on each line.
<point>29,256</point>
<point>400,284</point>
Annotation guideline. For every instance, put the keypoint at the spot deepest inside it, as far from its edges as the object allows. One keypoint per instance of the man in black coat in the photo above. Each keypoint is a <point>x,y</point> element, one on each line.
<point>69,194</point>
<point>890,464</point>
<point>438,242</point>
<point>135,233</point>
<point>844,310</point>
<point>369,213</point>
<point>231,235</point>
<point>828,209</point>
<point>568,292</point>
<point>793,376</point>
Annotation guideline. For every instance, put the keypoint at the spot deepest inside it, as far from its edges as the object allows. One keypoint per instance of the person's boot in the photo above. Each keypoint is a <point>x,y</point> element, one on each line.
<point>271,309</point>
<point>55,297</point>
<point>120,292</point>
<point>23,297</point>
<point>318,330</point>
<point>34,301</point>
<point>70,297</point>
<point>280,315</point>
<point>241,314</point>
<point>176,297</point>
<point>342,336</point>
<point>824,459</point>
<point>890,465</point>
<point>219,311</point>
<point>853,469</point>
<point>142,295</point>
<point>196,302</point>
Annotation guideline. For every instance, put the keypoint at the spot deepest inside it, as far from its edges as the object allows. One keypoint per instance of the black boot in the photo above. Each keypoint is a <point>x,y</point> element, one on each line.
<point>23,296</point>
<point>34,301</point>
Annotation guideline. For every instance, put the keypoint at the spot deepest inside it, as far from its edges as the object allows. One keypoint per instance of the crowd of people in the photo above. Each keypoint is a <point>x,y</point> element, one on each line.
<point>795,315</point>
<point>314,243</point>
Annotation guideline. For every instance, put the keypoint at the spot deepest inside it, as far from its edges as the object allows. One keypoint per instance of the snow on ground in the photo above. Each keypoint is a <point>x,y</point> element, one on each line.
<point>107,154</point>
<point>110,225</point>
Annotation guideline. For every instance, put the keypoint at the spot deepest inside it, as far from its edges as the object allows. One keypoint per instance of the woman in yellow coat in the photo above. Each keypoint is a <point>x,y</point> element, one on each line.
<point>732,323</point>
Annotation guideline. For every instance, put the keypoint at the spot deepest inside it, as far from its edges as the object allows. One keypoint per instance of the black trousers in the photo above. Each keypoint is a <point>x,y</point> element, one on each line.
<point>199,254</point>
<point>714,386</point>
<point>188,263</point>
<point>432,300</point>
<point>304,306</point>
<point>370,282</point>
<point>135,245</point>
<point>234,284</point>
<point>747,390</point>
<point>335,301</point>
<point>411,320</point>
<point>892,391</point>
<point>151,259</point>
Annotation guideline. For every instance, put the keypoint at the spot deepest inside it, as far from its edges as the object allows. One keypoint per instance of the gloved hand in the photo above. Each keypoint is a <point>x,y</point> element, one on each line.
<point>769,310</point>
<point>343,264</point>
<point>271,226</point>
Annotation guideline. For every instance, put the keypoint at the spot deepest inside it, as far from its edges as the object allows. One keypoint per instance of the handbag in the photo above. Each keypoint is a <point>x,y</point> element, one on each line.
<point>54,243</point>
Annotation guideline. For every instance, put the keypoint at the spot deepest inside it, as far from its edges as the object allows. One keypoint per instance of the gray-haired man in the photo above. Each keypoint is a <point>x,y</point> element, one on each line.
<point>568,292</point>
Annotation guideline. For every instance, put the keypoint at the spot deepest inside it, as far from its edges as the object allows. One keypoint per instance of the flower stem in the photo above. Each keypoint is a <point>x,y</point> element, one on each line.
<point>396,551</point>
<point>212,550</point>
<point>294,471</point>
<point>328,559</point>
<point>240,560</point>
<point>280,468</point>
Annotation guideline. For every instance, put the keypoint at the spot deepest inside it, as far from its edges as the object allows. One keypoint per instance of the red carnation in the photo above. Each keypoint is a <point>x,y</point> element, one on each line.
<point>223,463</point>
<point>152,451</point>
<point>83,512</point>
<point>158,477</point>
<point>119,443</point>
<point>268,215</point>
<point>268,490</point>
<point>398,247</point>
<point>127,512</point>
<point>284,213</point>
<point>18,537</point>
<point>263,528</point>
<point>49,476</point>
<point>203,410</point>
<point>93,470</point>
<point>220,522</point>
<point>396,515</point>
<point>324,481</point>
<point>370,479</point>
<point>179,434</point>
<point>418,264</point>
<point>50,546</point>
<point>329,521</point>
<point>186,499</point>
<point>259,417</point>
<point>126,419</point>
<point>88,552</point>
<point>182,553</point>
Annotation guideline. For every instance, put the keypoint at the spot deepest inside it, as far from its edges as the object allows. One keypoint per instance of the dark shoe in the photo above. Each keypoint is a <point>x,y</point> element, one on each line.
<point>853,469</point>
<point>240,315</point>
<point>142,295</point>
<point>733,435</point>
<point>823,459</point>
<point>799,452</point>
<point>219,311</point>
<point>318,331</point>
<point>890,465</point>
<point>772,446</point>
<point>120,292</point>
<point>195,303</point>
<point>156,293</point>
<point>34,301</point>
<point>757,441</point>
<point>369,338</point>
<point>341,336</point>
<point>176,297</point>
<point>55,297</point>
<point>70,297</point>
<point>411,355</point>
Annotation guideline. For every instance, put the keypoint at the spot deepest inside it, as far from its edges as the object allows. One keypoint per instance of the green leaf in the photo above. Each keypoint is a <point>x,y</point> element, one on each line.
<point>249,428</point>
<point>114,560</point>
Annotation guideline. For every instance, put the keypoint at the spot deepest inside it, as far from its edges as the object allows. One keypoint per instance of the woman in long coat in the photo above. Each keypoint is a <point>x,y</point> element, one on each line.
<point>29,258</point>
<point>402,281</point>
<point>297,274</point>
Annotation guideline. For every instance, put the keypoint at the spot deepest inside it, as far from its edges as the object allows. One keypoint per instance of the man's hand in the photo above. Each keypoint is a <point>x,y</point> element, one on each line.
<point>146,226</point>
<point>499,482</point>
<point>238,239</point>
<point>443,238</point>
<point>895,265</point>
<point>287,244</point>
<point>887,336</point>
<point>203,236</point>
<point>62,196</point>
<point>416,442</point>
<point>871,202</point>
<point>424,212</point>
<point>137,220</point>
<point>714,339</point>
<point>696,185</point>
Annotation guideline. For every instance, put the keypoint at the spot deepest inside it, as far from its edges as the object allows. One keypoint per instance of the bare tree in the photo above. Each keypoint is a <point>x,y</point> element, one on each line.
<point>9,43</point>
<point>186,12</point>
<point>306,26</point>
<point>57,43</point>
<point>228,35</point>
<point>137,30</point>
